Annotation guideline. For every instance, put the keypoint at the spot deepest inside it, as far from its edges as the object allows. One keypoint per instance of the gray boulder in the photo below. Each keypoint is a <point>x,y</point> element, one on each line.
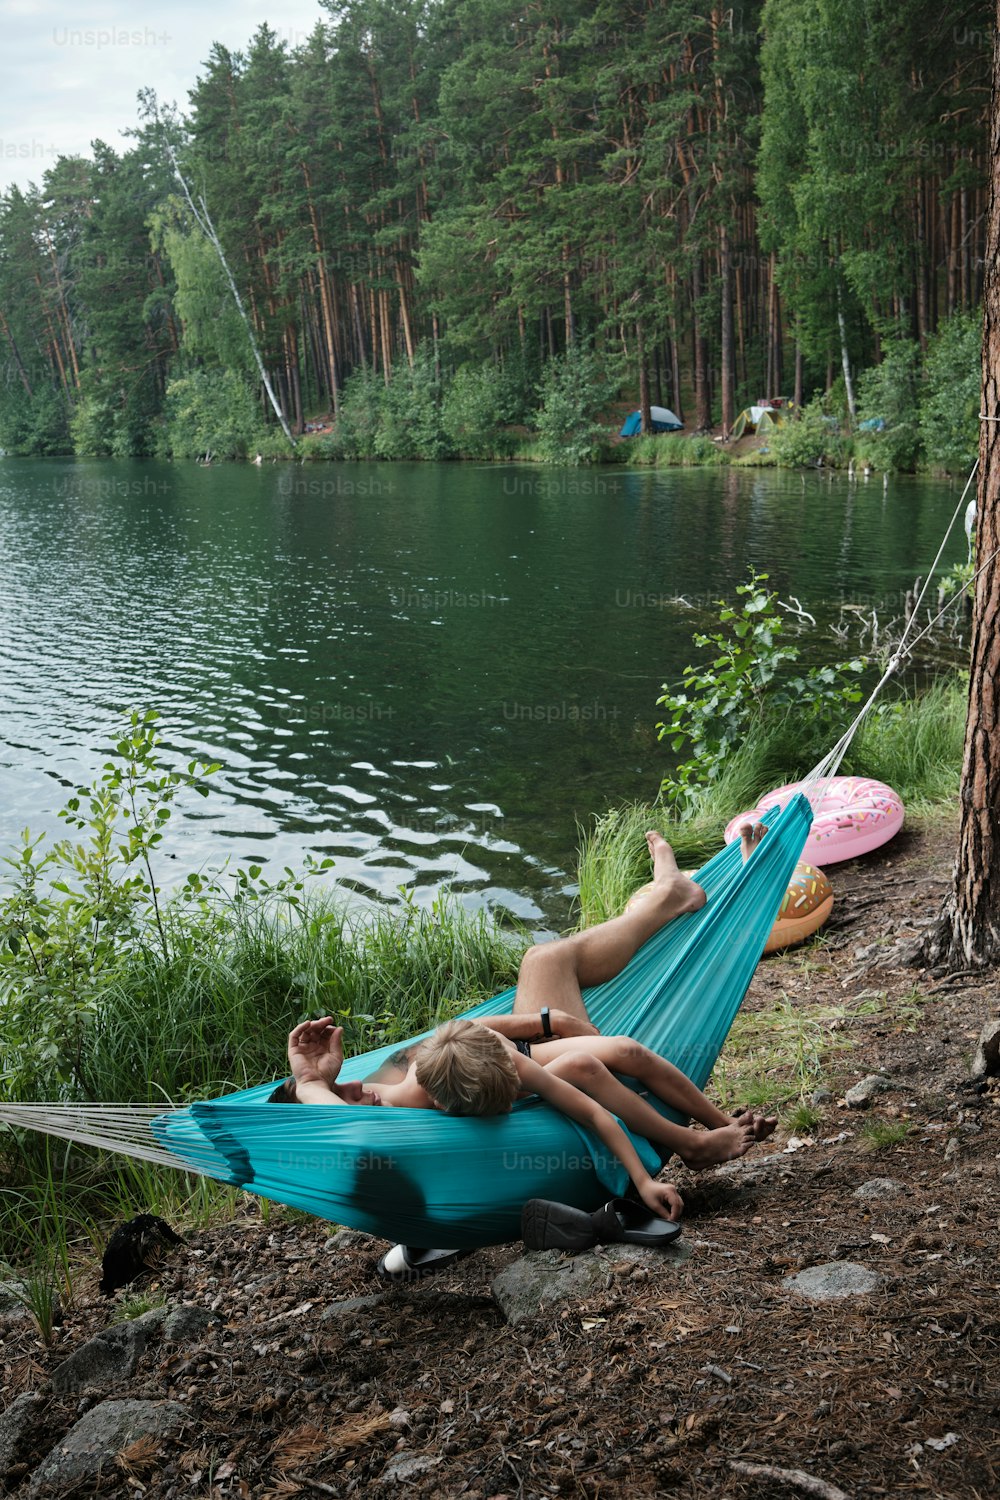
<point>90,1447</point>
<point>986,1063</point>
<point>840,1278</point>
<point>880,1187</point>
<point>862,1094</point>
<point>13,1424</point>
<point>182,1324</point>
<point>110,1356</point>
<point>541,1279</point>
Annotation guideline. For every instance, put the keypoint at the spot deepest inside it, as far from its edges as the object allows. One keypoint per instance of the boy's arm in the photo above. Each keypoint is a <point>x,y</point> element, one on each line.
<point>662,1197</point>
<point>529,1027</point>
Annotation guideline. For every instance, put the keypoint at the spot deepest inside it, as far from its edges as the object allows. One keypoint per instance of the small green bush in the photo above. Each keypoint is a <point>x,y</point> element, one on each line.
<point>813,439</point>
<point>575,387</point>
<point>891,393</point>
<point>746,683</point>
<point>949,411</point>
<point>410,423</point>
<point>212,414</point>
<point>481,402</point>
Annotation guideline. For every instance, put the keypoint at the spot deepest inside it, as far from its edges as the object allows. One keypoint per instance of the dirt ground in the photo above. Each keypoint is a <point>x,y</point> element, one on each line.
<point>674,1372</point>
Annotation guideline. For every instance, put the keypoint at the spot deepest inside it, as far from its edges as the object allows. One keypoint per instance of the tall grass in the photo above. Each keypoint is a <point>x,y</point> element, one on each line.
<point>213,1016</point>
<point>915,744</point>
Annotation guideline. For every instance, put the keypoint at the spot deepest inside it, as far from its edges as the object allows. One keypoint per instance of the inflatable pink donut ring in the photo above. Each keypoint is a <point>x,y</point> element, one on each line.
<point>852,815</point>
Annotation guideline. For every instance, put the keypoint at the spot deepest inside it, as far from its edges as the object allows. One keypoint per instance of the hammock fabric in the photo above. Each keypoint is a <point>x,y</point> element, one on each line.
<point>429,1179</point>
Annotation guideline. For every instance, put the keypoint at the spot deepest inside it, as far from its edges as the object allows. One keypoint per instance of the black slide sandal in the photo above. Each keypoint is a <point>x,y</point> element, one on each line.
<point>622,1222</point>
<point>556,1226</point>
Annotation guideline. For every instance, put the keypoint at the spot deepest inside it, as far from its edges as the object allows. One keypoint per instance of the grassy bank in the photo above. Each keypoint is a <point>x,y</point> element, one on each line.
<point>200,1000</point>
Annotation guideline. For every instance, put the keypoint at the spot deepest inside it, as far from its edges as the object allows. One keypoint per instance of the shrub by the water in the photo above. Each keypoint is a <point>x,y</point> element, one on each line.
<point>950,406</point>
<point>747,684</point>
<point>890,393</point>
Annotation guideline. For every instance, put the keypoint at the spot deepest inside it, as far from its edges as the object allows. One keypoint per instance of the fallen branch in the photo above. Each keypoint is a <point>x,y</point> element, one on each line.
<point>797,1478</point>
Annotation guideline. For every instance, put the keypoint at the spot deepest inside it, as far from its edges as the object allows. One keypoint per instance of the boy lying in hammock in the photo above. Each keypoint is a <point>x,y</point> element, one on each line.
<point>548,1046</point>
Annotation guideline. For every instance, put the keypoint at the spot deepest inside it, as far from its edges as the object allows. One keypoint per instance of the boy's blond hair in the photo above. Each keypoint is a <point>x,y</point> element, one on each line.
<point>467,1070</point>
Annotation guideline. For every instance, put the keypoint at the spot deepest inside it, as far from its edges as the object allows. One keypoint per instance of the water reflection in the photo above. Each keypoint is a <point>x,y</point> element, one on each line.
<point>430,673</point>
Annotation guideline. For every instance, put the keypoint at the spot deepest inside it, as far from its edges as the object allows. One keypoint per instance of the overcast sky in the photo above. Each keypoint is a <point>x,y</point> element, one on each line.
<point>69,73</point>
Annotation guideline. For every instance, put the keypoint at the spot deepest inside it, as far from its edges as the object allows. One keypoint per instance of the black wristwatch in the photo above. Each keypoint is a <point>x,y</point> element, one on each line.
<point>546,1021</point>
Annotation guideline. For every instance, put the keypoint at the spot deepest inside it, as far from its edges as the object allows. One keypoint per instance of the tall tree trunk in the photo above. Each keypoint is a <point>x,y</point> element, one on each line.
<point>676,405</point>
<point>845,360</point>
<point>702,406</point>
<point>17,354</point>
<point>968,934</point>
<point>726,335</point>
<point>640,344</point>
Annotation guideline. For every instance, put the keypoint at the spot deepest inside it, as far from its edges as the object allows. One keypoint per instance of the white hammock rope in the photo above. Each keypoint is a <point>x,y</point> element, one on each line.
<point>123,1128</point>
<point>127,1129</point>
<point>830,762</point>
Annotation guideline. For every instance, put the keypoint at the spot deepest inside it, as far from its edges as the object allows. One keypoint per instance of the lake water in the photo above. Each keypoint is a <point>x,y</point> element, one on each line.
<point>429,673</point>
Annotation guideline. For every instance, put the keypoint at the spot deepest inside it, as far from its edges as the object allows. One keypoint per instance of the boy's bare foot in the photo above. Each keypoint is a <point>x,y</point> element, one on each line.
<point>707,1148</point>
<point>666,875</point>
<point>763,1125</point>
<point>750,836</point>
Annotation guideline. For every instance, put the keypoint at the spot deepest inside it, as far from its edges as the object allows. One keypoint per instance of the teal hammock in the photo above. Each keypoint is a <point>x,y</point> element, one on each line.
<point>429,1179</point>
<point>426,1178</point>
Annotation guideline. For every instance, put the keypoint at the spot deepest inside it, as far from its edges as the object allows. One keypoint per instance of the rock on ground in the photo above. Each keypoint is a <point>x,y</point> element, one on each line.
<point>880,1187</point>
<point>91,1446</point>
<point>542,1278</point>
<point>862,1094</point>
<point>840,1278</point>
<point>13,1423</point>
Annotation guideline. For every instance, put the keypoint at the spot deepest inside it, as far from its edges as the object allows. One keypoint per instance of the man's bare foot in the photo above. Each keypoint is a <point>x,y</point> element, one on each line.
<point>709,1147</point>
<point>750,836</point>
<point>666,876</point>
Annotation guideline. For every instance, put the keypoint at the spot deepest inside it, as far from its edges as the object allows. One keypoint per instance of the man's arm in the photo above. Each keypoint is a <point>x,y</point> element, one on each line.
<point>530,1028</point>
<point>662,1197</point>
<point>316,1056</point>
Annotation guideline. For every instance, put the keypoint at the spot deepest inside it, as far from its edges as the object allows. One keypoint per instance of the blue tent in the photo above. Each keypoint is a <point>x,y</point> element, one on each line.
<point>662,418</point>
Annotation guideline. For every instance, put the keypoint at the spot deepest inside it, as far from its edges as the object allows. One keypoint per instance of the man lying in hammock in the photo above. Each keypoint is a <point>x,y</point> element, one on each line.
<point>548,1047</point>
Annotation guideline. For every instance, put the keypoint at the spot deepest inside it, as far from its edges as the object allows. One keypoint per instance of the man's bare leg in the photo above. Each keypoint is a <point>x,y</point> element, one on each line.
<point>554,974</point>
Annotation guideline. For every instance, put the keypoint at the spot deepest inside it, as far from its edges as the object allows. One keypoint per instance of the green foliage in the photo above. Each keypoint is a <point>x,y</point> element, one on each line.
<point>480,403</point>
<point>882,1135</point>
<point>813,439</point>
<point>353,435</point>
<point>574,388</point>
<point>915,744</point>
<point>75,908</point>
<point>746,682</point>
<point>36,425</point>
<point>674,451</point>
<point>410,423</point>
<point>890,392</point>
<point>212,414</point>
<point>949,411</point>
